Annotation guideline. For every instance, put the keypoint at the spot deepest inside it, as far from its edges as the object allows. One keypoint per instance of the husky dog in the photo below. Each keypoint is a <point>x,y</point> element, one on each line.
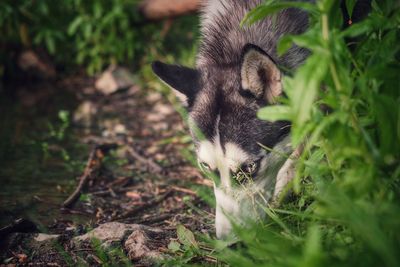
<point>237,72</point>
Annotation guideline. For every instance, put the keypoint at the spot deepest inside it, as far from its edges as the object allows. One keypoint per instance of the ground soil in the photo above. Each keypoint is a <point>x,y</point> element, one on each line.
<point>143,173</point>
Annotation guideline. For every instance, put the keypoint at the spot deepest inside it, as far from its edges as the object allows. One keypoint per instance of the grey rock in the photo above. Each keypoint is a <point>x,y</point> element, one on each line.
<point>85,113</point>
<point>45,237</point>
<point>114,79</point>
<point>107,233</point>
<point>143,244</point>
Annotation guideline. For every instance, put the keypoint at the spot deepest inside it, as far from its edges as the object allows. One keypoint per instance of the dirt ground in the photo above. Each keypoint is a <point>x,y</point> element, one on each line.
<point>138,171</point>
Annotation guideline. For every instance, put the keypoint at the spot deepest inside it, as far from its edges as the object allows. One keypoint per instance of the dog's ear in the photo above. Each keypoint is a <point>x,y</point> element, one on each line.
<point>185,81</point>
<point>259,74</point>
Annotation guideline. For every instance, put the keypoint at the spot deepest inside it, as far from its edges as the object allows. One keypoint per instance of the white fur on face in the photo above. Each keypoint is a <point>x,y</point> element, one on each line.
<point>214,156</point>
<point>239,203</point>
<point>227,198</point>
<point>235,156</point>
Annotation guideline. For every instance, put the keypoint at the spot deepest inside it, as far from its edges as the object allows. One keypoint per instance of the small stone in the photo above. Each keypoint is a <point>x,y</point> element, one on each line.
<point>120,129</point>
<point>107,234</point>
<point>114,79</point>
<point>152,149</point>
<point>88,90</point>
<point>84,114</point>
<point>45,237</point>
<point>163,109</point>
<point>143,244</point>
<point>70,228</point>
<point>112,127</point>
<point>22,258</point>
<point>153,97</point>
<point>30,61</point>
<point>133,195</point>
<point>160,157</point>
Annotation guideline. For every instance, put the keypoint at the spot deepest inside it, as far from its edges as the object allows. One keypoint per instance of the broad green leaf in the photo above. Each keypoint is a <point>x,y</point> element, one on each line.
<point>174,246</point>
<point>357,29</point>
<point>308,81</point>
<point>186,236</point>
<point>50,44</point>
<point>275,113</point>
<point>272,7</point>
<point>285,43</point>
<point>88,30</point>
<point>325,5</point>
<point>309,39</point>
<point>298,133</point>
<point>312,247</point>
<point>74,25</point>
<point>350,7</point>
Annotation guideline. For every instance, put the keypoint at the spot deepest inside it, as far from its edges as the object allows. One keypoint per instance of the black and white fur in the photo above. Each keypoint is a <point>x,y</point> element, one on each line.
<point>238,72</point>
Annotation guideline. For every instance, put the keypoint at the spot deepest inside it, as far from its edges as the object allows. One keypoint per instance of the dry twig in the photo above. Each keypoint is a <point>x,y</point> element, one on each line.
<point>153,167</point>
<point>92,165</point>
<point>159,9</point>
<point>183,190</point>
<point>151,203</point>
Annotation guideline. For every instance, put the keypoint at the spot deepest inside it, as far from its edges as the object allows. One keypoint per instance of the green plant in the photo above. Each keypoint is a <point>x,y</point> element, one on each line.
<point>59,132</point>
<point>89,33</point>
<point>187,249</point>
<point>347,180</point>
<point>105,33</point>
<point>110,256</point>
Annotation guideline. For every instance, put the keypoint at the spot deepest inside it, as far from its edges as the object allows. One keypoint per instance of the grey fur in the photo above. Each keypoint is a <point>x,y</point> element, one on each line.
<point>218,61</point>
<point>223,39</point>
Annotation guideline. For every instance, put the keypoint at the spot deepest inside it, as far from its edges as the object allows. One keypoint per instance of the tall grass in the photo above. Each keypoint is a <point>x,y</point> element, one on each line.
<point>344,105</point>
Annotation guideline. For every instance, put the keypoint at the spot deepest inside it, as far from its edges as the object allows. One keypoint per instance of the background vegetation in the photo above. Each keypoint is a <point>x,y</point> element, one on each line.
<point>93,34</point>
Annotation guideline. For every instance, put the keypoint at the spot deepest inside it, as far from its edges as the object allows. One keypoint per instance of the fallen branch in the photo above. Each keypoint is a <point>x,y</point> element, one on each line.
<point>151,203</point>
<point>71,211</point>
<point>159,9</point>
<point>152,166</point>
<point>156,219</point>
<point>183,190</point>
<point>116,190</point>
<point>92,165</point>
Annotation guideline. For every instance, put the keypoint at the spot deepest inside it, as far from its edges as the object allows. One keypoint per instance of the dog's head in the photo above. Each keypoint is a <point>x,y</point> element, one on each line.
<point>222,103</point>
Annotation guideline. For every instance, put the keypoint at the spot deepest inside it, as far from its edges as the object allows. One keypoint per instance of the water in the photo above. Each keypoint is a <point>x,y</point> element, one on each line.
<point>40,154</point>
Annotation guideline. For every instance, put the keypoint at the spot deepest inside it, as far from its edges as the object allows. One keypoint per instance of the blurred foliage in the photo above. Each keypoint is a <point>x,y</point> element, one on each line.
<point>91,33</point>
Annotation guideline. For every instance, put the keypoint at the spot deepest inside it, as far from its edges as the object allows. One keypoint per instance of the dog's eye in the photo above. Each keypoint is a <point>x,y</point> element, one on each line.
<point>204,166</point>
